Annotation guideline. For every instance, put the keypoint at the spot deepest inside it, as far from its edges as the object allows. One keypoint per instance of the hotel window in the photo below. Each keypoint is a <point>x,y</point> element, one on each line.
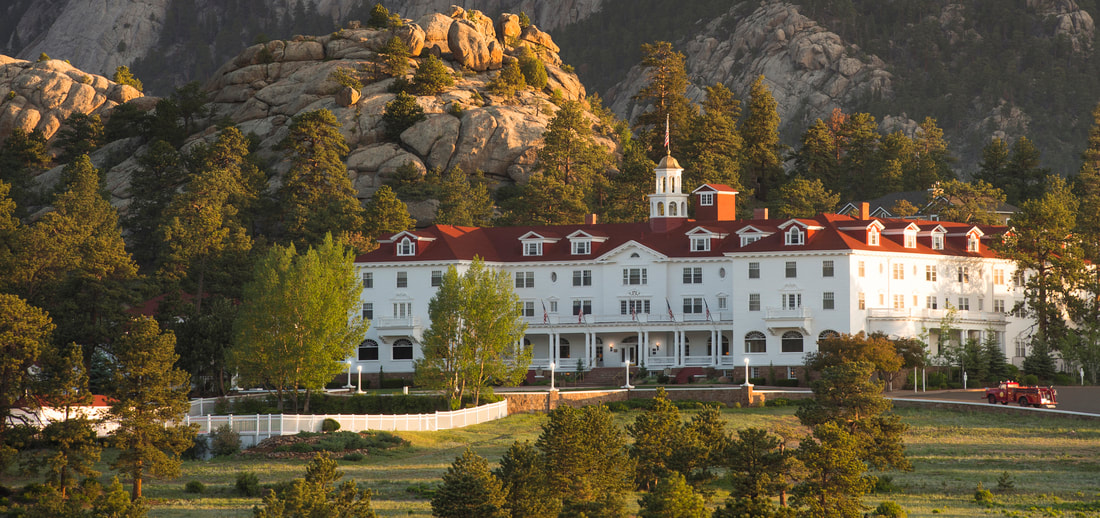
<point>792,300</point>
<point>553,306</point>
<point>693,275</point>
<point>532,248</point>
<point>633,306</point>
<point>582,306</point>
<point>402,350</point>
<point>402,280</point>
<point>872,236</point>
<point>754,302</point>
<point>723,303</point>
<point>634,276</point>
<point>368,280</point>
<point>931,302</point>
<point>706,199</point>
<point>972,243</point>
<point>930,272</point>
<point>937,241</point>
<point>862,269</point>
<point>368,351</point>
<point>998,306</point>
<point>754,270</point>
<point>792,342</point>
<point>527,307</point>
<point>437,277</point>
<point>582,247</point>
<point>582,277</point>
<point>899,301</point>
<point>964,304</point>
<point>756,342</point>
<point>910,239</point>
<point>406,247</point>
<point>792,373</point>
<point>998,276</point>
<point>792,269</point>
<point>964,274</point>
<point>700,244</point>
<point>525,279</point>
<point>828,300</point>
<point>795,236</point>
<point>1018,279</point>
<point>899,271</point>
<point>750,239</point>
<point>402,309</point>
<point>368,311</point>
<point>862,301</point>
<point>693,305</point>
<point>827,268</point>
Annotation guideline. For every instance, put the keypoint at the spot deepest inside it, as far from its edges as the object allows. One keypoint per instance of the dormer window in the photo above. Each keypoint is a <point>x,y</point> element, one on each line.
<point>910,239</point>
<point>749,239</point>
<point>406,247</point>
<point>700,244</point>
<point>873,236</point>
<point>937,240</point>
<point>582,247</point>
<point>706,198</point>
<point>795,236</point>
<point>972,241</point>
<point>532,248</point>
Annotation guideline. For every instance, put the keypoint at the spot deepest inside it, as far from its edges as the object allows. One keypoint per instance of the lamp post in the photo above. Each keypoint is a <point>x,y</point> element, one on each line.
<point>628,386</point>
<point>552,375</point>
<point>747,371</point>
<point>348,385</point>
<point>360,383</point>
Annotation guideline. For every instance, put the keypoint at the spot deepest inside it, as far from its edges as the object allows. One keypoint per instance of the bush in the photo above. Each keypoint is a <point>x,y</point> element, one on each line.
<point>330,425</point>
<point>885,484</point>
<point>982,495</point>
<point>248,484</point>
<point>397,56</point>
<point>432,77</point>
<point>225,441</point>
<point>534,72</point>
<point>779,401</point>
<point>195,486</point>
<point>508,81</point>
<point>400,114</point>
<point>1031,379</point>
<point>1063,379</point>
<point>345,76</point>
<point>354,457</point>
<point>890,509</point>
<point>1005,483</point>
<point>198,450</point>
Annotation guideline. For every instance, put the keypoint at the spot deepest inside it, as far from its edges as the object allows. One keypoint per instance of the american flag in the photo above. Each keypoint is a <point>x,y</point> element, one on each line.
<point>633,311</point>
<point>670,315</point>
<point>545,315</point>
<point>707,306</point>
<point>580,315</point>
<point>667,148</point>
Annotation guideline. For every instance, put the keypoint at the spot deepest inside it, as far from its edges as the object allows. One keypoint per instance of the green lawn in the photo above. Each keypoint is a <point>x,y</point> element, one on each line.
<point>1053,462</point>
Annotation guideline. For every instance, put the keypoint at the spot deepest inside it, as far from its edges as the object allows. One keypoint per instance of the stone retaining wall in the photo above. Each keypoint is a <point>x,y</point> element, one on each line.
<point>526,402</point>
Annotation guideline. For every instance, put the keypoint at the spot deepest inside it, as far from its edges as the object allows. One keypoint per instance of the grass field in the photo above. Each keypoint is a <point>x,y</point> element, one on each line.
<point>1053,462</point>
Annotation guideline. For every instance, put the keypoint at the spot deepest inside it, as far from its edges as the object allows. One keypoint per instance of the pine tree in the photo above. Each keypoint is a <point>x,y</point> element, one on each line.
<point>397,56</point>
<point>587,461</point>
<point>534,71</point>
<point>432,77</point>
<point>508,81</point>
<point>524,479</point>
<point>657,435</point>
<point>627,202</point>
<point>1039,361</point>
<point>673,498</point>
<point>469,489</point>
<point>835,478</point>
<point>666,92</point>
<point>317,495</point>
<point>21,156</point>
<point>24,335</point>
<point>763,168</point>
<point>123,76</point>
<point>463,200</point>
<point>385,214</point>
<point>400,114</point>
<point>569,152</point>
<point>317,196</point>
<point>161,170</point>
<point>150,401</point>
<point>81,134</point>
<point>994,358</point>
<point>805,199</point>
<point>544,200</point>
<point>714,147</point>
<point>757,466</point>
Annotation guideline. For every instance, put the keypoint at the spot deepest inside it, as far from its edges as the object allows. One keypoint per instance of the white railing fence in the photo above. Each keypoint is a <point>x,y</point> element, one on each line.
<point>255,428</point>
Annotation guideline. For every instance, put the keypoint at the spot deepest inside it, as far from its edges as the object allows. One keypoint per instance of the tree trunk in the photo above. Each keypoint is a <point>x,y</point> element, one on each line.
<point>305,410</point>
<point>137,482</point>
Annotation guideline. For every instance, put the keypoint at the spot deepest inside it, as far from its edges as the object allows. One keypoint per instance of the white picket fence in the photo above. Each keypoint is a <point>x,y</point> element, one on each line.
<point>255,428</point>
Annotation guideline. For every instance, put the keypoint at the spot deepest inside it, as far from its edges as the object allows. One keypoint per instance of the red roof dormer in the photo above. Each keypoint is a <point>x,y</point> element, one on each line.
<point>715,202</point>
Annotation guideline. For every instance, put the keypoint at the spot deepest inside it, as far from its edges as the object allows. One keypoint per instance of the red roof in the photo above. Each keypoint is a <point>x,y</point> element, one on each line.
<point>837,232</point>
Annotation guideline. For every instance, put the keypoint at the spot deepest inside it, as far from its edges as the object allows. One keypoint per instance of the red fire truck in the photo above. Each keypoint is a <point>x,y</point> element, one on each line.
<point>1011,391</point>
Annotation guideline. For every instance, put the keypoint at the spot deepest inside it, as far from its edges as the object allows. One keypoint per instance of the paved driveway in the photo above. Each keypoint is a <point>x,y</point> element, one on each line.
<point>1073,399</point>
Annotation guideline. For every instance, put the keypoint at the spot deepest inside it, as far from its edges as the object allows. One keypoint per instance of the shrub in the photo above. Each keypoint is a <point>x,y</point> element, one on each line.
<point>397,56</point>
<point>982,495</point>
<point>248,484</point>
<point>379,17</point>
<point>432,77</point>
<point>354,456</point>
<point>779,401</point>
<point>1031,379</point>
<point>1005,483</point>
<point>43,57</point>
<point>890,509</point>
<point>456,110</point>
<point>885,484</point>
<point>400,114</point>
<point>524,20</point>
<point>533,69</point>
<point>123,76</point>
<point>225,441</point>
<point>345,76</point>
<point>330,425</point>
<point>195,486</point>
<point>508,81</point>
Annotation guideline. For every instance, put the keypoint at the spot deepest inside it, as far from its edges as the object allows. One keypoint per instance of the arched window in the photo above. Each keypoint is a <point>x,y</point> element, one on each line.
<point>792,342</point>
<point>827,334</point>
<point>756,342</point>
<point>368,350</point>
<point>406,247</point>
<point>660,208</point>
<point>872,236</point>
<point>683,208</point>
<point>402,349</point>
<point>795,236</point>
<point>563,348</point>
<point>671,209</point>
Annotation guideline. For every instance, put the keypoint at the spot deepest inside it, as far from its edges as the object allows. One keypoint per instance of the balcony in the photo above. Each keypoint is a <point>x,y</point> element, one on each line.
<point>399,326</point>
<point>780,319</point>
<point>616,319</point>
<point>935,316</point>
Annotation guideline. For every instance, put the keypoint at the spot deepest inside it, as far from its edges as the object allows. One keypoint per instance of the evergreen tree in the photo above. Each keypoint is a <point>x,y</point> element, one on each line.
<point>994,358</point>
<point>532,68</point>
<point>463,200</point>
<point>401,114</point>
<point>317,196</point>
<point>931,162</point>
<point>714,147</point>
<point>587,462</point>
<point>24,334</point>
<point>123,76</point>
<point>666,92</point>
<point>432,77</point>
<point>1024,173</point>
<point>657,434</point>
<point>763,168</point>
<point>806,199</point>
<point>22,155</point>
<point>385,214</point>
<point>673,498</point>
<point>508,81</point>
<point>818,156</point>
<point>869,166</point>
<point>524,479</point>
<point>757,468</point>
<point>80,135</point>
<point>379,17</point>
<point>397,57</point>
<point>569,152</point>
<point>544,200</point>
<point>161,170</point>
<point>150,400</point>
<point>627,202</point>
<point>470,489</point>
<point>994,163</point>
<point>976,202</point>
<point>1039,361</point>
<point>317,495</point>
<point>835,478</point>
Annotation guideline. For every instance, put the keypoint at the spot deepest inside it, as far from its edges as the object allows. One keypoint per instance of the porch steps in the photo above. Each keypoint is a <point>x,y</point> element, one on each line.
<point>687,373</point>
<point>604,377</point>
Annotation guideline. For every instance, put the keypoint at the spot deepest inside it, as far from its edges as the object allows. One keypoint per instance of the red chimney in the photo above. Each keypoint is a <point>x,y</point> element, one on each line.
<point>591,219</point>
<point>760,213</point>
<point>865,211</point>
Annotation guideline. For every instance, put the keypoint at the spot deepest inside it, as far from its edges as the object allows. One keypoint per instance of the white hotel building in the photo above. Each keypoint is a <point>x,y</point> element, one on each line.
<point>707,292</point>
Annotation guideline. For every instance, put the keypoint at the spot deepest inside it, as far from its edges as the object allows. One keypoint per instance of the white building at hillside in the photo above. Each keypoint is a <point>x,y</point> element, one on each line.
<point>715,291</point>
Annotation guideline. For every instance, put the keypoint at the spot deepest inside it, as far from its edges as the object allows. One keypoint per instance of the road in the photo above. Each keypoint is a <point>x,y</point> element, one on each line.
<point>1073,399</point>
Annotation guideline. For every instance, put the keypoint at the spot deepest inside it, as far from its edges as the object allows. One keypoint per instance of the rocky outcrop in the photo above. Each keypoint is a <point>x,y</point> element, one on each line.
<point>809,70</point>
<point>41,95</point>
<point>1071,21</point>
